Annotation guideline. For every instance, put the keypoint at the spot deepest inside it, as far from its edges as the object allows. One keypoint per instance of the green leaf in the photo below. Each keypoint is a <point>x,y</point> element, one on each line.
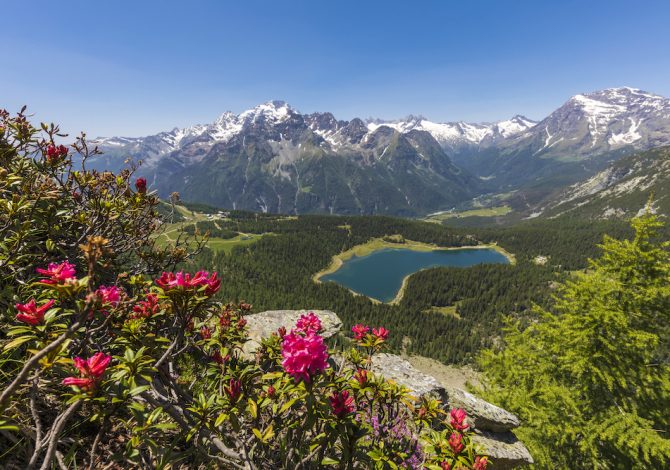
<point>253,408</point>
<point>18,342</point>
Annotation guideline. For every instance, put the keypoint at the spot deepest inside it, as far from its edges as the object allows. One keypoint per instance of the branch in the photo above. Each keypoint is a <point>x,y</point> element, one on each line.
<point>33,361</point>
<point>55,433</point>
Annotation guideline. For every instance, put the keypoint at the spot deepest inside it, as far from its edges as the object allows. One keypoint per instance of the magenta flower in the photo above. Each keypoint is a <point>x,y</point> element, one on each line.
<point>341,403</point>
<point>456,443</point>
<point>304,355</point>
<point>458,416</point>
<point>360,331</point>
<point>309,322</point>
<point>182,282</point>
<point>480,463</point>
<point>141,185</point>
<point>109,295</point>
<point>55,153</point>
<point>91,371</point>
<point>233,389</point>
<point>31,314</point>
<point>146,308</point>
<point>381,333</point>
<point>58,273</point>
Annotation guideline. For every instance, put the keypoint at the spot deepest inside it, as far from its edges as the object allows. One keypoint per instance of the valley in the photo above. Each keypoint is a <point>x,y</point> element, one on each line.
<point>445,313</point>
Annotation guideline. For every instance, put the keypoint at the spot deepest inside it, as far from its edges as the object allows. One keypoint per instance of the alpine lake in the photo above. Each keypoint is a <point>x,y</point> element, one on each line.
<point>380,274</point>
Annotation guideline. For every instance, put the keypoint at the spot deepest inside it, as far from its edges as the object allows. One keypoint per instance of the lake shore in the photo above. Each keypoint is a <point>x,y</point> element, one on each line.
<point>377,244</point>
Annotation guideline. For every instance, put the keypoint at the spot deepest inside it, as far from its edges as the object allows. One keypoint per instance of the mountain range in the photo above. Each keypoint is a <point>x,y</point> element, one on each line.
<point>273,158</point>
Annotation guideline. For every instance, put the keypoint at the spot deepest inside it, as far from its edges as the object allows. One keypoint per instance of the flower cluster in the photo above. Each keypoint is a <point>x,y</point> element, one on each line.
<point>146,308</point>
<point>457,419</point>
<point>183,282</point>
<point>342,403</point>
<point>369,337</point>
<point>303,351</point>
<point>141,185</point>
<point>309,322</point>
<point>31,314</point>
<point>91,371</point>
<point>56,153</point>
<point>58,273</point>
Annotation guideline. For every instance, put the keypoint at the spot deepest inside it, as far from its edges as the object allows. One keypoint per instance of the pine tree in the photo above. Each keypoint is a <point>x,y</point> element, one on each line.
<point>590,378</point>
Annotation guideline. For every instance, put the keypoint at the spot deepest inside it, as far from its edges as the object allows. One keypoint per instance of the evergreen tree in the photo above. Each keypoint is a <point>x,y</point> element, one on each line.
<point>590,378</point>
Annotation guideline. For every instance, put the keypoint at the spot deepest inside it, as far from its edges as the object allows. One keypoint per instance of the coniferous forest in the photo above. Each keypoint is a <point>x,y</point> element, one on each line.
<point>276,272</point>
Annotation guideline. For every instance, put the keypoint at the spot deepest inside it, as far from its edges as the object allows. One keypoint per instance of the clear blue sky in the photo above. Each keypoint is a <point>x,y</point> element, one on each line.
<point>138,67</point>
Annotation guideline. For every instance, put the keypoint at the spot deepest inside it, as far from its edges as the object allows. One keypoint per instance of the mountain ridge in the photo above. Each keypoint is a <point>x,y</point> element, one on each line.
<point>402,167</point>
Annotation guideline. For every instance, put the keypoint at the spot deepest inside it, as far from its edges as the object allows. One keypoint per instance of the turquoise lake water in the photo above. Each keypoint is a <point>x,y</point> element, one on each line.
<point>379,275</point>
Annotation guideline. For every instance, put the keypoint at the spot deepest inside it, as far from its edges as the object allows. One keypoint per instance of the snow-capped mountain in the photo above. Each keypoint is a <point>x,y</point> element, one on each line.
<point>287,161</point>
<point>599,122</point>
<point>275,159</point>
<point>456,137</point>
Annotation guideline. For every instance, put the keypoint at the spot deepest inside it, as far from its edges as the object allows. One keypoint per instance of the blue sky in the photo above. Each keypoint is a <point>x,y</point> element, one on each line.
<point>138,67</point>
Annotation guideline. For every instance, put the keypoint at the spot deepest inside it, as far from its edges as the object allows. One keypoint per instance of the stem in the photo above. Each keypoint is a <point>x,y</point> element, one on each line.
<point>55,432</point>
<point>33,361</point>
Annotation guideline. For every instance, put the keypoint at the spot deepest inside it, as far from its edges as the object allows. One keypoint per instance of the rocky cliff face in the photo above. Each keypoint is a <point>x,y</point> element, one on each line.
<point>493,427</point>
<point>274,159</point>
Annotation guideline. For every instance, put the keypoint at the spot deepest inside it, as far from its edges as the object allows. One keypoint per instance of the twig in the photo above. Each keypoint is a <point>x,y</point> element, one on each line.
<point>55,432</point>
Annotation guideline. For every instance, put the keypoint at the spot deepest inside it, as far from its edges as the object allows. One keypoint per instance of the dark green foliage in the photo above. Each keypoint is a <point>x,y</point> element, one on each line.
<point>568,242</point>
<point>276,272</point>
<point>590,378</point>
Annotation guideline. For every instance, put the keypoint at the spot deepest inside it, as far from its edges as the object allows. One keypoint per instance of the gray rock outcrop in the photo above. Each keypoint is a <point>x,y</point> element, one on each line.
<point>262,325</point>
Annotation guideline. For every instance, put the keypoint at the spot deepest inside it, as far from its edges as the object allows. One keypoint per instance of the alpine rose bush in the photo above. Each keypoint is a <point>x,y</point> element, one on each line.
<point>160,379</point>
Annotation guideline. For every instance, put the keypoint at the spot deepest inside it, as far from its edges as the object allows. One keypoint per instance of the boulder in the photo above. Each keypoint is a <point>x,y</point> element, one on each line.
<point>505,450</point>
<point>403,373</point>
<point>482,414</point>
<point>491,424</point>
<point>262,325</point>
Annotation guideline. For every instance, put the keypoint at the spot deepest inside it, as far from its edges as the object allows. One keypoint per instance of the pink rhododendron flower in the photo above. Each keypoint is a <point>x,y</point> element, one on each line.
<point>181,281</point>
<point>360,331</point>
<point>146,308</point>
<point>109,295</point>
<point>58,273</point>
<point>309,322</point>
<point>31,314</point>
<point>361,376</point>
<point>91,371</point>
<point>458,416</point>
<point>456,443</point>
<point>233,389</point>
<point>55,153</point>
<point>381,333</point>
<point>271,391</point>
<point>304,355</point>
<point>341,403</point>
<point>445,465</point>
<point>480,463</point>
<point>141,185</point>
